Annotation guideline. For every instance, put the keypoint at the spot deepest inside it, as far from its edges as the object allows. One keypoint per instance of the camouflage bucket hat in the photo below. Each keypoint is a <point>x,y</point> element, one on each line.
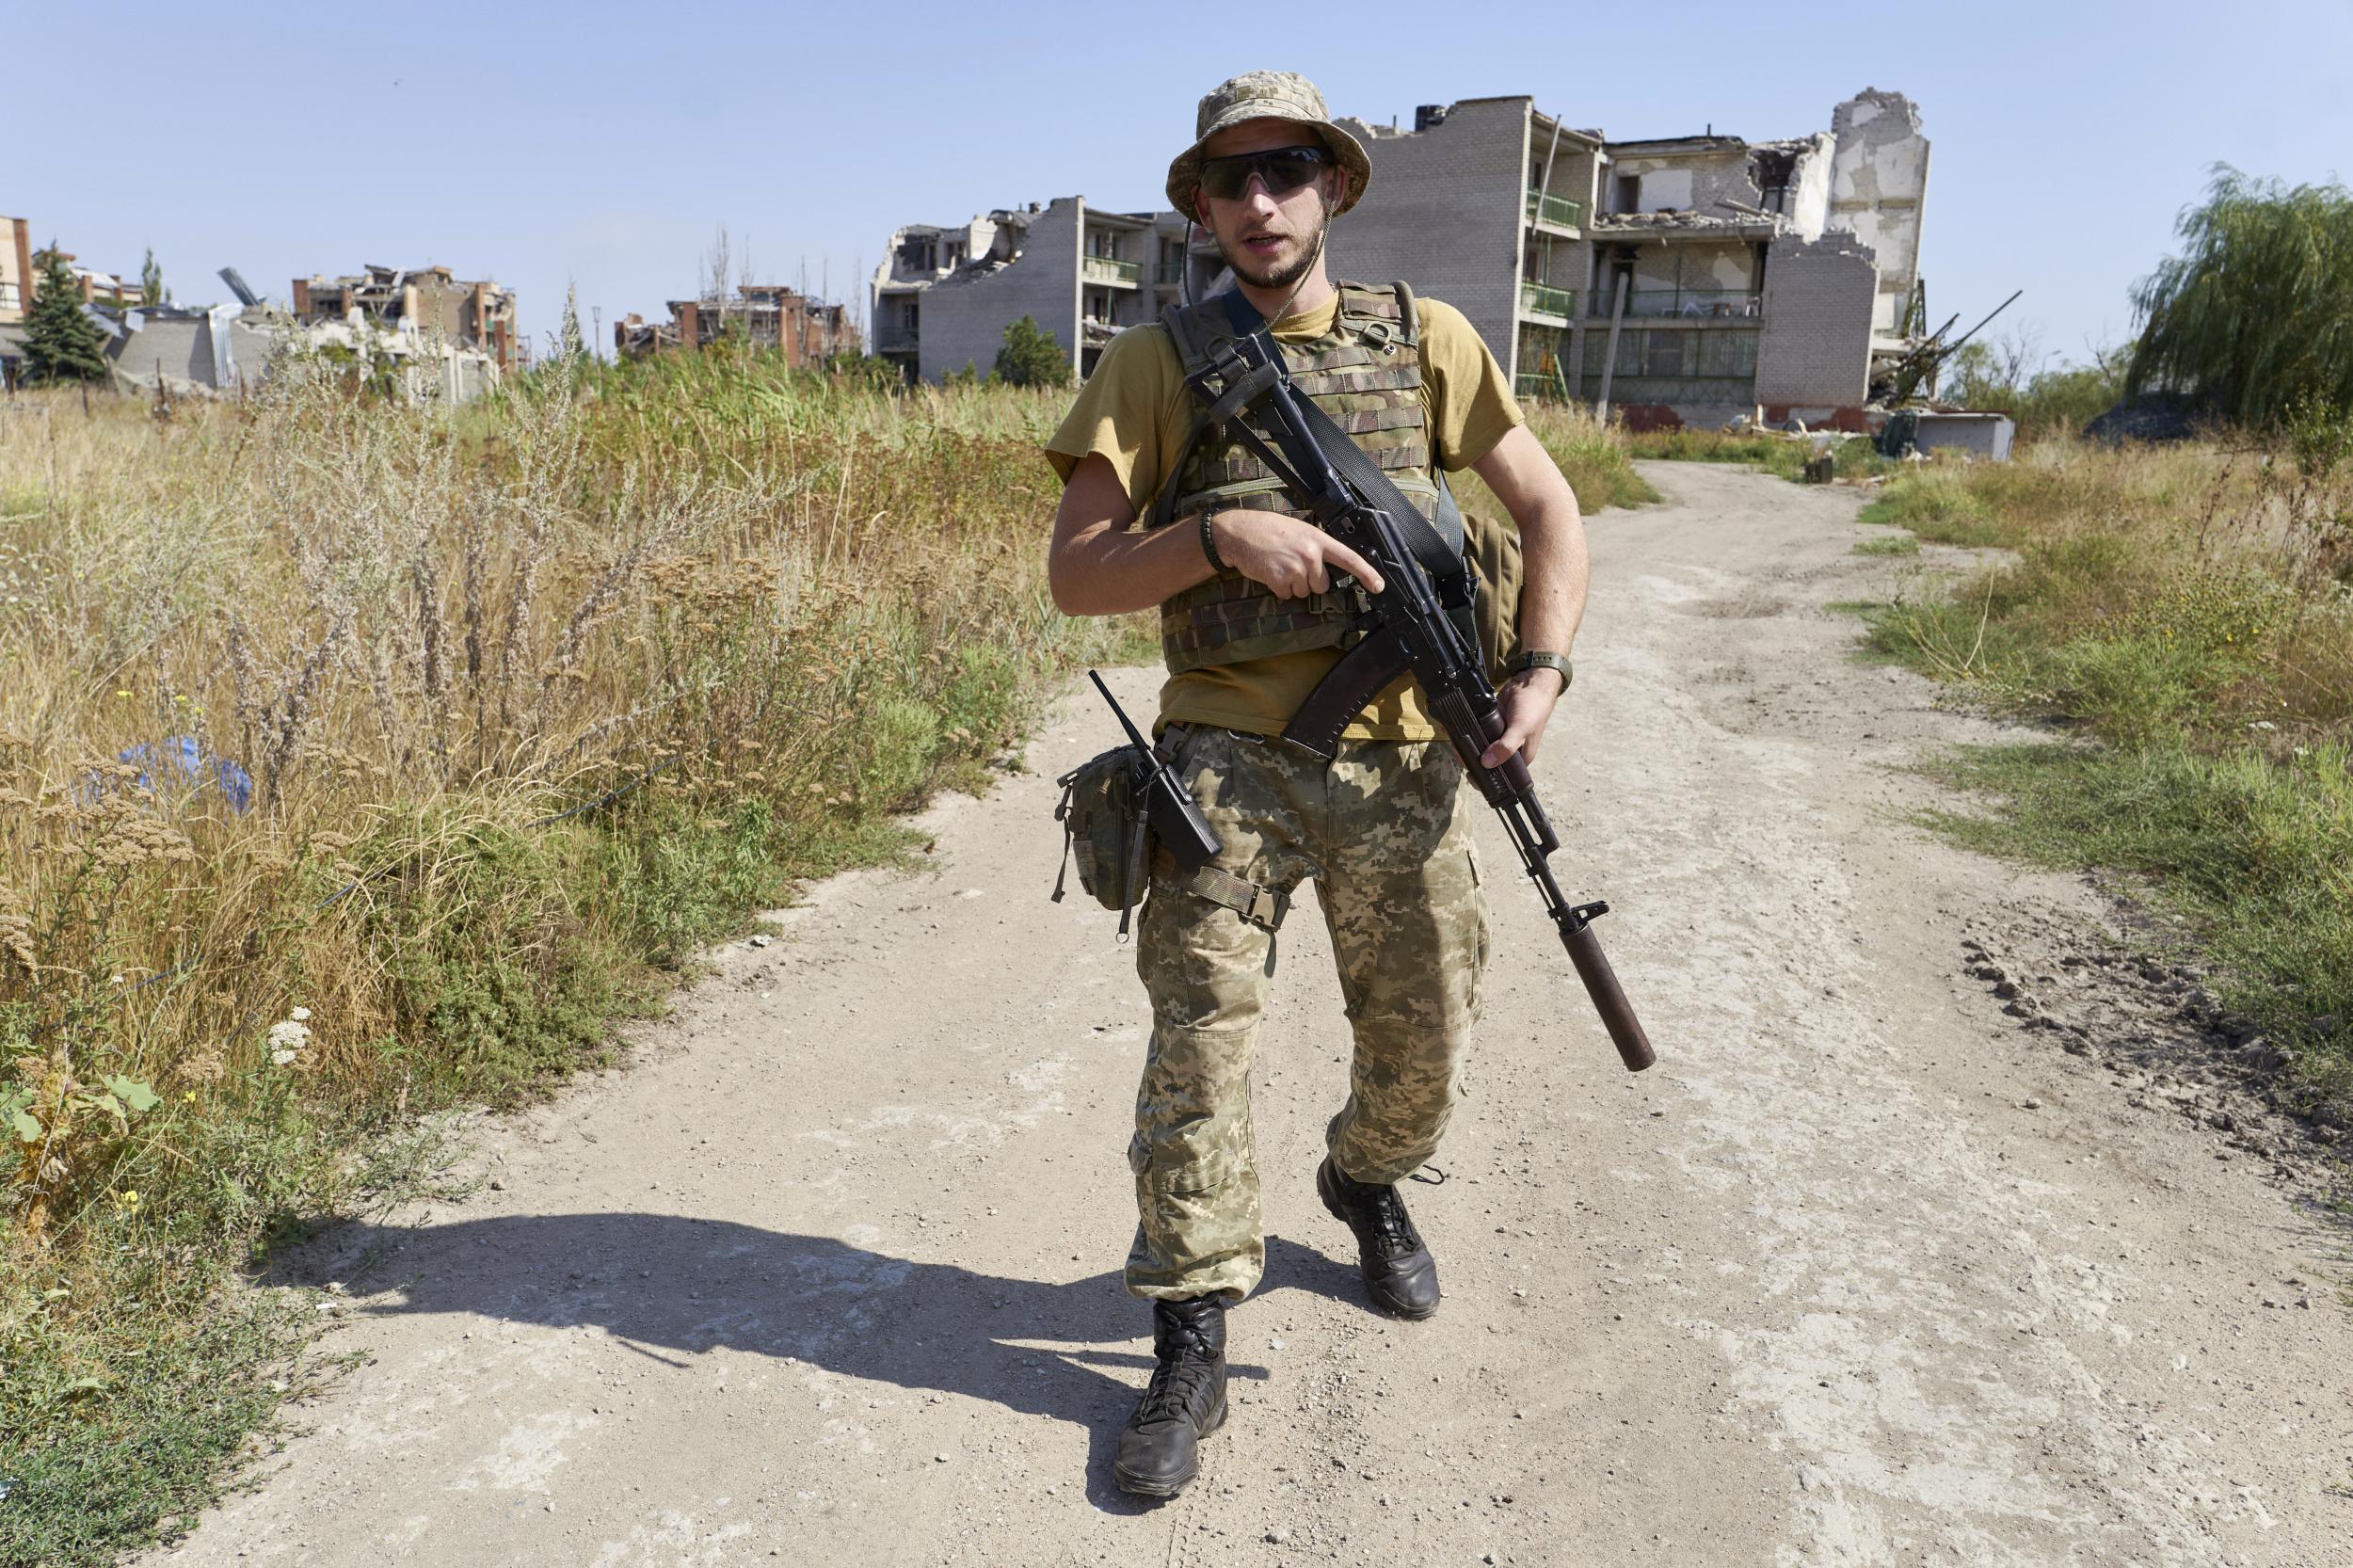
<point>1266,95</point>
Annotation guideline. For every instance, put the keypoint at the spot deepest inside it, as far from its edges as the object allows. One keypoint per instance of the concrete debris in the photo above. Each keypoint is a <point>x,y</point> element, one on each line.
<point>1975,434</point>
<point>416,305</point>
<point>200,351</point>
<point>419,330</point>
<point>1741,217</point>
<point>763,315</point>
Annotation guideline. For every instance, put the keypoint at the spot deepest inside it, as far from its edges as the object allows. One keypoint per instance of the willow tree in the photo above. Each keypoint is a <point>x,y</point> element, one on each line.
<point>2256,313</point>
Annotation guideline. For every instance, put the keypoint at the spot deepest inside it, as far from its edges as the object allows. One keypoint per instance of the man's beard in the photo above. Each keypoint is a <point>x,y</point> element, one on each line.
<point>1282,277</point>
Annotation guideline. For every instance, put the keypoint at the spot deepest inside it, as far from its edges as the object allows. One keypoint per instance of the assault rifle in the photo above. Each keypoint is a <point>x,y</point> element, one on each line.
<point>1410,629</point>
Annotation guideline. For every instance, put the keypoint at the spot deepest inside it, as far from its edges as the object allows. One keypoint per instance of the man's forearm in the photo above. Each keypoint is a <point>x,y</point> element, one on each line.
<point>1552,537</point>
<point>1552,556</point>
<point>1114,572</point>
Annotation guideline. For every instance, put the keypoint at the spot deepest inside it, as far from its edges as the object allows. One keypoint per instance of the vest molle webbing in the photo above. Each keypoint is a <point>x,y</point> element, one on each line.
<point>1366,372</point>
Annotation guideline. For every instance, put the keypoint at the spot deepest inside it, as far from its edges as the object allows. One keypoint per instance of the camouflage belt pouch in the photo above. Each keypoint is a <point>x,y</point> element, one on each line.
<point>1104,831</point>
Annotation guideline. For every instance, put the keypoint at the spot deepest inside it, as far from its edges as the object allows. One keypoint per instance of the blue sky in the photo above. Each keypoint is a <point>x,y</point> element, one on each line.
<point>605,145</point>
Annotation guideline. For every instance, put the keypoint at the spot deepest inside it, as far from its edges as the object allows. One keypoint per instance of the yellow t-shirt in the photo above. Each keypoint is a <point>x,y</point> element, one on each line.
<point>1135,412</point>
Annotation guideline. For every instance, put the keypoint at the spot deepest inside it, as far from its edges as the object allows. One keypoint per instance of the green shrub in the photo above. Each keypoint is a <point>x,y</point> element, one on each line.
<point>1031,357</point>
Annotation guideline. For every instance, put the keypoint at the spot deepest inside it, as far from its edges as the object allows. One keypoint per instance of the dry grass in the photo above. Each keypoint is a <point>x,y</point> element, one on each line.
<point>395,642</point>
<point>2196,590</point>
<point>1597,458</point>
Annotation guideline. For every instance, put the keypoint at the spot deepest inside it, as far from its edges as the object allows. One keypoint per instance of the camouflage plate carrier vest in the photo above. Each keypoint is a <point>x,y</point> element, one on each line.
<point>1366,372</point>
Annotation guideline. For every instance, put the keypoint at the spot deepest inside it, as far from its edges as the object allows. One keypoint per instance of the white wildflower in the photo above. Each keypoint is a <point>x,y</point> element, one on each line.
<point>287,1039</point>
<point>299,1015</point>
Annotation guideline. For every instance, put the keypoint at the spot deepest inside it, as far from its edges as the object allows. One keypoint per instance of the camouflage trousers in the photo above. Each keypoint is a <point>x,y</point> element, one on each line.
<point>1384,831</point>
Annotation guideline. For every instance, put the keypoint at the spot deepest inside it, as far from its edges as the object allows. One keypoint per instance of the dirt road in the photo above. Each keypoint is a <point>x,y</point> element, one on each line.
<point>1867,1270</point>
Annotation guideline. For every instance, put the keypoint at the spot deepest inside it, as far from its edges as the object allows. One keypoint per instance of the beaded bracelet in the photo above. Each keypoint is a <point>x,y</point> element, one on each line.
<point>1208,541</point>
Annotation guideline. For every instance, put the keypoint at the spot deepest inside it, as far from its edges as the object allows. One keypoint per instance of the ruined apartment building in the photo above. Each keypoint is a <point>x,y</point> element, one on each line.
<point>20,262</point>
<point>945,293</point>
<point>425,302</point>
<point>1731,274</point>
<point>764,315</point>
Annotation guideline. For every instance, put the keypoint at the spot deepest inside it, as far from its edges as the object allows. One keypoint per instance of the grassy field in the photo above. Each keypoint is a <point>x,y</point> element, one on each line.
<point>301,694</point>
<point>360,762</point>
<point>2182,619</point>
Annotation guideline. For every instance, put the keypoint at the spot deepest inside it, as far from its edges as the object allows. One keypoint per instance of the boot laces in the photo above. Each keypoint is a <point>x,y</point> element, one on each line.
<point>1391,1224</point>
<point>1185,1361</point>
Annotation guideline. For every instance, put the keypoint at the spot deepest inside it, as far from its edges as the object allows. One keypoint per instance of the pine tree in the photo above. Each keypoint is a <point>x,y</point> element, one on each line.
<point>152,290</point>
<point>60,342</point>
<point>1031,358</point>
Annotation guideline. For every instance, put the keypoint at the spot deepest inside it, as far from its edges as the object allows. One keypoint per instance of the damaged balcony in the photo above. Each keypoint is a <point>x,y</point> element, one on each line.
<point>1547,384</point>
<point>1555,215</point>
<point>1543,302</point>
<point>1111,270</point>
<point>1689,362</point>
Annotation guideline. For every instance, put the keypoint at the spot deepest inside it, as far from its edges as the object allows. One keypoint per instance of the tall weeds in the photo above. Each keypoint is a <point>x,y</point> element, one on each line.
<point>358,759</point>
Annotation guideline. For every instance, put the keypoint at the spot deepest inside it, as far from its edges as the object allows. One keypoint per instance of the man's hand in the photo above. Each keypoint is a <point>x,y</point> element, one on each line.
<point>1292,557</point>
<point>1527,700</point>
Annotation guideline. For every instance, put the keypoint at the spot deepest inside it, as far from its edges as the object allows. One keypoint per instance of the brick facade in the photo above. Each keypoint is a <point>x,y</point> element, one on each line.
<point>1817,346</point>
<point>964,322</point>
<point>1446,212</point>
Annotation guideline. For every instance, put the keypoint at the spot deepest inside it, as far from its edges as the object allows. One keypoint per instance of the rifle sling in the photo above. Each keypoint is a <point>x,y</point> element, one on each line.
<point>1363,673</point>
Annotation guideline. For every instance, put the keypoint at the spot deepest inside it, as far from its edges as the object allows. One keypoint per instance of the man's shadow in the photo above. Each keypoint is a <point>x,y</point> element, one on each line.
<point>666,1284</point>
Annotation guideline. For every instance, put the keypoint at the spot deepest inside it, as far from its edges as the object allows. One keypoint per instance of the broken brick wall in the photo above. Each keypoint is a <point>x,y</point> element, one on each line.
<point>1815,348</point>
<point>1699,181</point>
<point>962,321</point>
<point>1445,212</point>
<point>1878,180</point>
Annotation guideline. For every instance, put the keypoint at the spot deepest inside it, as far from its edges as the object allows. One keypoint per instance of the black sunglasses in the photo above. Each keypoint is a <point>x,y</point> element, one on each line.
<point>1283,170</point>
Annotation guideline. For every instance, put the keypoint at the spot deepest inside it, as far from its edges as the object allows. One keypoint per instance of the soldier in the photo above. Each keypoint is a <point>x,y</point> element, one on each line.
<point>1252,613</point>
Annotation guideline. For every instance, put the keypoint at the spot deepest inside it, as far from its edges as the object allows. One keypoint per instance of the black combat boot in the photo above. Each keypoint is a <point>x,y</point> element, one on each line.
<point>1184,1402</point>
<point>1399,1270</point>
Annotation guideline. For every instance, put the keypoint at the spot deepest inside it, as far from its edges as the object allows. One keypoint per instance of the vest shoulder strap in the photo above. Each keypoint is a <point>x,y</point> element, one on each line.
<point>1375,315</point>
<point>1379,315</point>
<point>1192,328</point>
<point>1409,314</point>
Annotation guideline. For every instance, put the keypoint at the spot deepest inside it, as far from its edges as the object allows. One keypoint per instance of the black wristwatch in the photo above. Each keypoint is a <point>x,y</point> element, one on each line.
<point>1535,661</point>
